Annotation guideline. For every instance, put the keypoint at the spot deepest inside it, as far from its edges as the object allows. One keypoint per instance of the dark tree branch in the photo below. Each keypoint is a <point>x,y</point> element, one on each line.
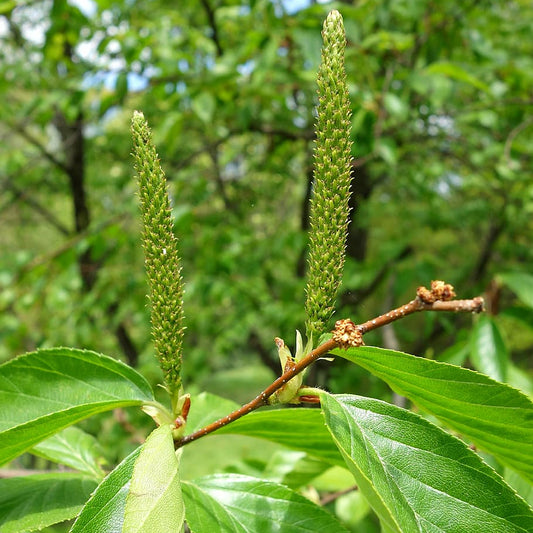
<point>66,246</point>
<point>512,135</point>
<point>210,12</point>
<point>355,297</point>
<point>23,132</point>
<point>219,179</point>
<point>36,206</point>
<point>496,228</point>
<point>329,498</point>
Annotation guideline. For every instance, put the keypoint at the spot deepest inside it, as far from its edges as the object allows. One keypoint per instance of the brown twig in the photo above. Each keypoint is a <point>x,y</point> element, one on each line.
<point>420,303</point>
<point>328,498</point>
<point>512,135</point>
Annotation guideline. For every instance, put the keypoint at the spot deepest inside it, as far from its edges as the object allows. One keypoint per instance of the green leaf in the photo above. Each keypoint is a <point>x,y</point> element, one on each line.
<point>352,508</point>
<point>204,105</point>
<point>310,43</point>
<point>418,477</point>
<point>455,354</point>
<point>45,391</point>
<point>105,509</point>
<point>523,314</point>
<point>33,502</point>
<point>395,105</point>
<point>121,86</point>
<point>236,504</point>
<point>520,379</point>
<point>7,6</point>
<point>297,428</point>
<point>75,448</point>
<point>488,352</point>
<point>387,150</point>
<point>206,408</point>
<point>455,72</point>
<point>493,415</point>
<point>293,468</point>
<point>154,502</point>
<point>521,284</point>
<point>524,489</point>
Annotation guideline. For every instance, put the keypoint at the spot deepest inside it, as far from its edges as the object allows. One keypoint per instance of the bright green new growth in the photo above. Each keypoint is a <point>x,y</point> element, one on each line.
<point>162,261</point>
<point>331,189</point>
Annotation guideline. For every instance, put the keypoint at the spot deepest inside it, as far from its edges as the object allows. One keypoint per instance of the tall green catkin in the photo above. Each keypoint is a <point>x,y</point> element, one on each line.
<point>162,261</point>
<point>331,187</point>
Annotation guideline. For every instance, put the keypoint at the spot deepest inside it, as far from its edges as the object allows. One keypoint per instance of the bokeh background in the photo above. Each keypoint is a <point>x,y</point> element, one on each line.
<point>442,114</point>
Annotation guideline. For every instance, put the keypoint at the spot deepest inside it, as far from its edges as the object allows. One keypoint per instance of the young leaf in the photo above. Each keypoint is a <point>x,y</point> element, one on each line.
<point>34,502</point>
<point>293,468</point>
<point>418,477</point>
<point>298,428</point>
<point>241,504</point>
<point>493,415</point>
<point>520,283</point>
<point>105,509</point>
<point>154,501</point>
<point>74,448</point>
<point>488,352</point>
<point>45,391</point>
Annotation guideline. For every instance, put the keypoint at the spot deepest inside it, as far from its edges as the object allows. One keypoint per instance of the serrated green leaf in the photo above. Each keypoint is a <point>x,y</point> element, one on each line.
<point>417,477</point>
<point>34,502</point>
<point>524,489</point>
<point>45,391</point>
<point>493,415</point>
<point>234,503</point>
<point>520,379</point>
<point>154,502</point>
<point>105,509</point>
<point>521,284</point>
<point>74,448</point>
<point>488,352</point>
<point>297,428</point>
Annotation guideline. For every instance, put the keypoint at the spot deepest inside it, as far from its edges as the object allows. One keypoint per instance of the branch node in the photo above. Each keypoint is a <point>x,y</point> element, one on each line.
<point>439,291</point>
<point>346,334</point>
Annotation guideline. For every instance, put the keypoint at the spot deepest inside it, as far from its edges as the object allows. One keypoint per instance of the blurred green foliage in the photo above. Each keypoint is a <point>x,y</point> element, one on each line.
<point>441,105</point>
<point>442,144</point>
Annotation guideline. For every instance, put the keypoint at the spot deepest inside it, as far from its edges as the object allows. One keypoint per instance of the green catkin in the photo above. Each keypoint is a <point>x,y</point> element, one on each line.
<point>162,261</point>
<point>331,187</point>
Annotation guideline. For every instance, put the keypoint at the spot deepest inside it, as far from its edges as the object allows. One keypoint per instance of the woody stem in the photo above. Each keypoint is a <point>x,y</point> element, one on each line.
<point>470,306</point>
